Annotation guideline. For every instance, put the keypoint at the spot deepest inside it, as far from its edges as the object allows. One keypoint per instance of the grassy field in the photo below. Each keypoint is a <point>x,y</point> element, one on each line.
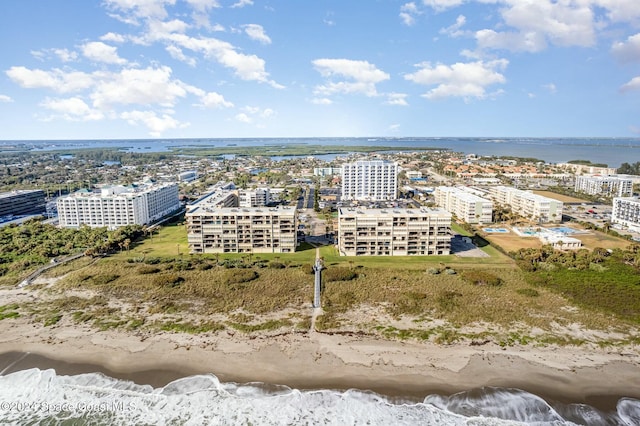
<point>600,239</point>
<point>439,298</point>
<point>512,242</point>
<point>560,197</point>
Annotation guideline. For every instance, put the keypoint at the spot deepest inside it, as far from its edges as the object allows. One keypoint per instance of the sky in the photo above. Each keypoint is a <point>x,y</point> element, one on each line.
<point>136,69</point>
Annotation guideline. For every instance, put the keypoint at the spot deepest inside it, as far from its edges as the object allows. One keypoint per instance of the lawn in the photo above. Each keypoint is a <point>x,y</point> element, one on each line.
<point>560,197</point>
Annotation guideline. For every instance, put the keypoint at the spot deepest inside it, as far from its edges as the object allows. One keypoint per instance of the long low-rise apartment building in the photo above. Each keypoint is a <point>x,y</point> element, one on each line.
<point>241,230</point>
<point>464,203</point>
<point>118,206</point>
<point>608,186</point>
<point>527,204</point>
<point>626,212</point>
<point>394,232</point>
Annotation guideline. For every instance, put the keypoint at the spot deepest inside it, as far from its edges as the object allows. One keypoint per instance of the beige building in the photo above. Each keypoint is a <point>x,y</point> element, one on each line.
<point>527,204</point>
<point>241,230</point>
<point>464,203</point>
<point>394,232</point>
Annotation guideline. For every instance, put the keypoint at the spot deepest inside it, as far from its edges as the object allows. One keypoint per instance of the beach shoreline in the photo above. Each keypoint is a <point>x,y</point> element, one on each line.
<point>403,370</point>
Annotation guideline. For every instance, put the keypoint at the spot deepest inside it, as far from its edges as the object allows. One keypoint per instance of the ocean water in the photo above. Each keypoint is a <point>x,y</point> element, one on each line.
<point>611,151</point>
<point>35,396</point>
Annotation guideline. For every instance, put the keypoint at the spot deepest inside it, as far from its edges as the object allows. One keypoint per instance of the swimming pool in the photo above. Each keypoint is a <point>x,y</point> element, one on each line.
<point>496,230</point>
<point>564,230</point>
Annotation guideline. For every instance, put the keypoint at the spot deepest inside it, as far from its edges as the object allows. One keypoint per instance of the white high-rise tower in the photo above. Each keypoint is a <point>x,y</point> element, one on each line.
<point>375,180</point>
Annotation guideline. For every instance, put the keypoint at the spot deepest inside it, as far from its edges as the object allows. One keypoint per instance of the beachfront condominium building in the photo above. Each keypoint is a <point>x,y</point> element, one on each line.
<point>607,186</point>
<point>464,203</point>
<point>254,197</point>
<point>527,204</point>
<point>375,180</point>
<point>213,229</point>
<point>22,202</point>
<point>626,212</point>
<point>394,232</point>
<point>118,206</point>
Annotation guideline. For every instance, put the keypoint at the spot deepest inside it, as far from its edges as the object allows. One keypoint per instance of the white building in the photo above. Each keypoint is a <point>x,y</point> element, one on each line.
<point>254,198</point>
<point>394,232</point>
<point>464,204</point>
<point>527,204</point>
<point>608,186</point>
<point>626,212</point>
<point>241,230</point>
<point>327,171</point>
<point>188,176</point>
<point>118,206</point>
<point>375,180</point>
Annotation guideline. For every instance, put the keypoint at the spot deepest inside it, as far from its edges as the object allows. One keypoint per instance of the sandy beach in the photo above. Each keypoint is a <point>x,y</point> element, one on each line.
<point>316,360</point>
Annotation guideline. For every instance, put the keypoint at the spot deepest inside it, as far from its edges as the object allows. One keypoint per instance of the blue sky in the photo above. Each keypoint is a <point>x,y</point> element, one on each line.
<point>81,69</point>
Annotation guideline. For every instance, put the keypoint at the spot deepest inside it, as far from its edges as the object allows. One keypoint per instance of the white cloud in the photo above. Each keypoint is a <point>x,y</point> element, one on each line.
<point>399,99</point>
<point>242,3</point>
<point>256,32</point>
<point>72,109</point>
<point>632,85</point>
<point>140,8</point>
<point>98,51</point>
<point>156,124</point>
<point>514,41</point>
<point>214,100</point>
<point>551,88</point>
<point>321,101</point>
<point>620,10</point>
<point>408,13</point>
<point>627,51</point>
<point>158,29</point>
<point>465,80</point>
<point>66,55</point>
<point>247,67</point>
<point>440,5</point>
<point>139,86</point>
<point>534,24</point>
<point>56,79</point>
<point>243,118</point>
<point>177,53</point>
<point>394,128</point>
<point>363,75</point>
<point>113,37</point>
<point>5,98</point>
<point>455,30</point>
<point>203,5</point>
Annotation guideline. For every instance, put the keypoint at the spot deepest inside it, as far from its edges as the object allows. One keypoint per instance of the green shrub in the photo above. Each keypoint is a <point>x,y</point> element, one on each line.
<point>338,274</point>
<point>144,270</point>
<point>529,292</point>
<point>240,276</point>
<point>433,271</point>
<point>481,277</point>
<point>277,265</point>
<point>104,279</point>
<point>448,300</point>
<point>168,280</point>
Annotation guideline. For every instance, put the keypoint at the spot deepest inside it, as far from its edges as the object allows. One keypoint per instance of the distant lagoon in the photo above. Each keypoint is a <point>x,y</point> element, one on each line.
<point>611,151</point>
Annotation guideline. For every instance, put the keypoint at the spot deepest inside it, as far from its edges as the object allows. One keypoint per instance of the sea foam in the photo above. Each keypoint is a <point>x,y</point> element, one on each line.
<point>41,396</point>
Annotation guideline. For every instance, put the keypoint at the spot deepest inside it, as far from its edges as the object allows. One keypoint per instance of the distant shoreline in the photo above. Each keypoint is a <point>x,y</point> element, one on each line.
<point>548,149</point>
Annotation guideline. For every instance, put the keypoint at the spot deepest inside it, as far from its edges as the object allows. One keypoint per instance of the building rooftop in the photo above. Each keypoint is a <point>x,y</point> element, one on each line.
<point>422,211</point>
